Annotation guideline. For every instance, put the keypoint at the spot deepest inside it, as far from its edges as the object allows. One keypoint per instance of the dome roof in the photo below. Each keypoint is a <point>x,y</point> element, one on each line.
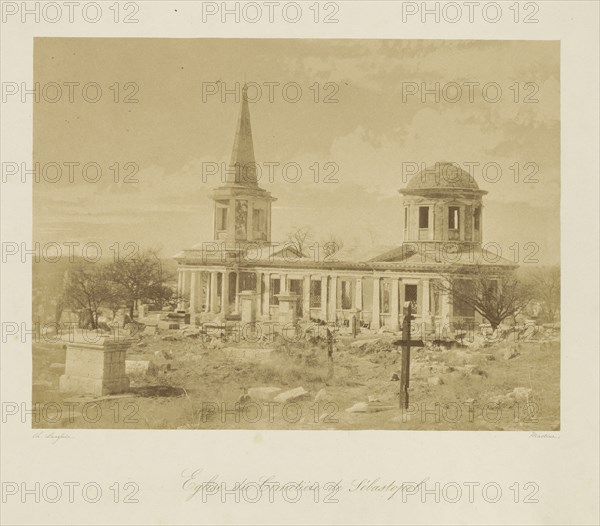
<point>442,175</point>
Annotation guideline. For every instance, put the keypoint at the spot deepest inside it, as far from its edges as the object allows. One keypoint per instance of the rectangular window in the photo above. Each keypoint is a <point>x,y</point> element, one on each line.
<point>258,220</point>
<point>385,297</point>
<point>423,217</point>
<point>247,281</point>
<point>315,294</point>
<point>274,291</point>
<point>406,218</point>
<point>222,218</point>
<point>410,294</point>
<point>477,218</point>
<point>453,215</point>
<point>346,294</point>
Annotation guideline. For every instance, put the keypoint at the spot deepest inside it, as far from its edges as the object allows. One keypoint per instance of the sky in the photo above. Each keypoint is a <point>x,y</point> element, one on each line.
<point>356,116</point>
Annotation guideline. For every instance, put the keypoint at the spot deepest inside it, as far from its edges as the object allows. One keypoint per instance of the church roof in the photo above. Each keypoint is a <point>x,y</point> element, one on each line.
<point>442,176</point>
<point>443,254</point>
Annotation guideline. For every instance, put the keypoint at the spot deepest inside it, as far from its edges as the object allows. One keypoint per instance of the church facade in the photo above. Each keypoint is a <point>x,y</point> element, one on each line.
<point>242,274</point>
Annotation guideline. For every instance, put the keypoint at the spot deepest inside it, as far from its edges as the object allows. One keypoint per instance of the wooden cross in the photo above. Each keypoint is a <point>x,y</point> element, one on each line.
<point>406,344</point>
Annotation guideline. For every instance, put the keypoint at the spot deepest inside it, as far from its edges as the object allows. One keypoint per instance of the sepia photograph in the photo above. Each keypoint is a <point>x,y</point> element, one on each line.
<point>284,234</point>
<point>302,262</point>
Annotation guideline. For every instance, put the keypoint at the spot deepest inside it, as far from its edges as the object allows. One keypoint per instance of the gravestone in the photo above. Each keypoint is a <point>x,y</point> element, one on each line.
<point>95,363</point>
<point>142,311</point>
<point>288,308</point>
<point>248,301</point>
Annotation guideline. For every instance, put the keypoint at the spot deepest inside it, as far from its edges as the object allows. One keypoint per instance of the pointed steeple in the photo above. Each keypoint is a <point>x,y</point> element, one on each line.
<point>242,167</point>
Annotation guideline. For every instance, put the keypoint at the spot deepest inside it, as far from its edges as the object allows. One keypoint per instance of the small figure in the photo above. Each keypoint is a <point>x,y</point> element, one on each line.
<point>329,345</point>
<point>330,342</point>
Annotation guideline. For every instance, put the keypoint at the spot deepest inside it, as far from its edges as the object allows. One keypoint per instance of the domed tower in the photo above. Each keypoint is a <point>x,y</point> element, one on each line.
<point>443,204</point>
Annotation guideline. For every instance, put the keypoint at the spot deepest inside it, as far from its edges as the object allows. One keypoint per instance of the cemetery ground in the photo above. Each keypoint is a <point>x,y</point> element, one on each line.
<point>183,379</point>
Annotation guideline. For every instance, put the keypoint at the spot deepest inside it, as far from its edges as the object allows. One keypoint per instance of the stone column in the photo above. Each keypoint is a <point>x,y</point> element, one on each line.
<point>444,314</point>
<point>358,303</point>
<point>375,314</point>
<point>283,284</point>
<point>214,297</point>
<point>193,292</point>
<point>179,289</point>
<point>306,298</point>
<point>259,305</point>
<point>237,291</point>
<point>267,296</point>
<point>333,297</point>
<point>225,293</point>
<point>206,277</point>
<point>426,315</point>
<point>394,305</point>
<point>324,296</point>
<point>185,287</point>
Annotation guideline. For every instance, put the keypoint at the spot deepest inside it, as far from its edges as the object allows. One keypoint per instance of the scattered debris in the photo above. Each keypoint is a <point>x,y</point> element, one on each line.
<point>359,407</point>
<point>139,368</point>
<point>324,396</point>
<point>511,353</point>
<point>244,399</point>
<point>263,393</point>
<point>518,394</point>
<point>294,395</point>
<point>149,330</point>
<point>360,344</point>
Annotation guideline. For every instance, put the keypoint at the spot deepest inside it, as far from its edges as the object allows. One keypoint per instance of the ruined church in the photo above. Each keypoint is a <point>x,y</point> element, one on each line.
<point>242,275</point>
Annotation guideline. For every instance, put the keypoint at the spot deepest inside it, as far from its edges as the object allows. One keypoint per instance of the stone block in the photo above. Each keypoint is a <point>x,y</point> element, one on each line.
<point>263,393</point>
<point>96,365</point>
<point>293,395</point>
<point>248,305</point>
<point>168,325</point>
<point>359,407</point>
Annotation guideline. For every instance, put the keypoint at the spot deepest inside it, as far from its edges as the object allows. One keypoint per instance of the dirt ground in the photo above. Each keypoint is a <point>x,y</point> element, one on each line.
<point>196,384</point>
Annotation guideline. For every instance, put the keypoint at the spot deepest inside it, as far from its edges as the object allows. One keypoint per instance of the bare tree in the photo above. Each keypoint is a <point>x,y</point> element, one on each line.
<point>87,289</point>
<point>332,244</point>
<point>300,237</point>
<point>496,295</point>
<point>544,283</point>
<point>141,277</point>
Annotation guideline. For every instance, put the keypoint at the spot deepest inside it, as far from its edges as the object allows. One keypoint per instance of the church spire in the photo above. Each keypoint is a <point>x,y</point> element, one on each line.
<point>242,167</point>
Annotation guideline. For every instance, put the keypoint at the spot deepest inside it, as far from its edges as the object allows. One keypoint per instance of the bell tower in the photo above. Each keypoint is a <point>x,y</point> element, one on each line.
<point>443,204</point>
<point>242,209</point>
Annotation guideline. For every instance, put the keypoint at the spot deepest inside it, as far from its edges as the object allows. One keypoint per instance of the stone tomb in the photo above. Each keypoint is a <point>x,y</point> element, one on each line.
<point>248,301</point>
<point>288,308</point>
<point>95,364</point>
